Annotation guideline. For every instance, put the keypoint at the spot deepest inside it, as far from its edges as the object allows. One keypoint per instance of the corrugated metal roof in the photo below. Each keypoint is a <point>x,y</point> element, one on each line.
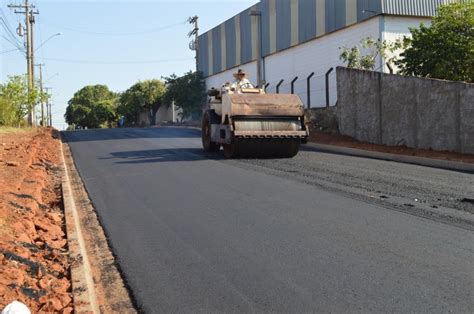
<point>412,7</point>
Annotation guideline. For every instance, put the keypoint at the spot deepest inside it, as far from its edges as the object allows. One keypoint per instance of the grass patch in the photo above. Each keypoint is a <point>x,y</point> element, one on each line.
<point>12,130</point>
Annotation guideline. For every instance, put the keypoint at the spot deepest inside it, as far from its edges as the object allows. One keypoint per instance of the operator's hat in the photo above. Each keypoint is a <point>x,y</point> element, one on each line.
<point>239,72</point>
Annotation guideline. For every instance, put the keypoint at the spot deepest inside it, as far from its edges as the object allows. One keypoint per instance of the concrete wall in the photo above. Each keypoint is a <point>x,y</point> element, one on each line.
<point>397,110</point>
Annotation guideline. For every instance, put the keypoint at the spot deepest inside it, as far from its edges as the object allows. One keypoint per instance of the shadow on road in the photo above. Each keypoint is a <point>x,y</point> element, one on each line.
<point>129,133</point>
<point>163,155</point>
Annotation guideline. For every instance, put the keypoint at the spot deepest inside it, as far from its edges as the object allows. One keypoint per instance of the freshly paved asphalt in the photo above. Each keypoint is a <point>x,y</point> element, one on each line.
<point>193,232</point>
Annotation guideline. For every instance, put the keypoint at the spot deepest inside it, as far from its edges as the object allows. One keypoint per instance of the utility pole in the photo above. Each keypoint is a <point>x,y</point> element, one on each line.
<point>27,10</point>
<point>41,90</point>
<point>194,44</point>
<point>32,46</point>
<point>49,115</point>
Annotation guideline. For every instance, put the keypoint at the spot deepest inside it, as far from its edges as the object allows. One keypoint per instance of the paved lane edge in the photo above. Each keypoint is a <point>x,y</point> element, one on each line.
<point>90,294</point>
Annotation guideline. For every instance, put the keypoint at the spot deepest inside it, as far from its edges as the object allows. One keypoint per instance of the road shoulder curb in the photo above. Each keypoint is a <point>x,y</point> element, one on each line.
<point>98,284</point>
<point>85,300</point>
<point>421,161</point>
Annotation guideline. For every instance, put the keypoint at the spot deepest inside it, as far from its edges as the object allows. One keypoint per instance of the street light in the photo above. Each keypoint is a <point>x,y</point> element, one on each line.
<point>258,15</point>
<point>50,37</point>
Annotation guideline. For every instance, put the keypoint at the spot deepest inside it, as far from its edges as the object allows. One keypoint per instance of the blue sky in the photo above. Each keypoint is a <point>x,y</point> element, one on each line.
<point>115,43</point>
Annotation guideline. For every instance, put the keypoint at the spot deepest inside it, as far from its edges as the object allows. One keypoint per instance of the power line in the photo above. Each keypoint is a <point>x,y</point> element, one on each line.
<point>116,62</point>
<point>12,42</point>
<point>152,30</point>
<point>7,27</point>
<point>39,22</point>
<point>8,31</point>
<point>11,50</point>
<point>11,36</point>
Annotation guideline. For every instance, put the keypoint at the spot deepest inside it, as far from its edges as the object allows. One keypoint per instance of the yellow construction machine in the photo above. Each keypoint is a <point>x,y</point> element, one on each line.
<point>249,123</point>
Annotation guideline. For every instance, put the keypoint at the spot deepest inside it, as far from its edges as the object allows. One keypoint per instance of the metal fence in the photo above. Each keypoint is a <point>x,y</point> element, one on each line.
<point>308,86</point>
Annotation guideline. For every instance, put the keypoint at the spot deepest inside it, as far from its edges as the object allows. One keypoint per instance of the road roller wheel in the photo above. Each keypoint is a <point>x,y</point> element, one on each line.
<point>250,148</point>
<point>229,150</point>
<point>293,149</point>
<point>208,118</point>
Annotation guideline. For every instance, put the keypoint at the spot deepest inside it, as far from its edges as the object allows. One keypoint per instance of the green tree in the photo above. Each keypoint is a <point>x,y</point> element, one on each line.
<point>372,49</point>
<point>144,95</point>
<point>16,101</point>
<point>444,50</point>
<point>92,106</point>
<point>188,92</point>
<point>8,116</point>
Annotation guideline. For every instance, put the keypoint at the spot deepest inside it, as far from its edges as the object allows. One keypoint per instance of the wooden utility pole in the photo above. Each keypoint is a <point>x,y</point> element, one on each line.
<point>27,10</point>
<point>50,115</point>
<point>48,108</point>
<point>194,44</point>
<point>40,66</point>
<point>32,49</point>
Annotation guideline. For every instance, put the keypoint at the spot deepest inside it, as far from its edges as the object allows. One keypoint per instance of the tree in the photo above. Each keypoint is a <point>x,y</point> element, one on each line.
<point>8,113</point>
<point>92,106</point>
<point>445,50</point>
<point>16,101</point>
<point>144,95</point>
<point>188,93</point>
<point>373,48</point>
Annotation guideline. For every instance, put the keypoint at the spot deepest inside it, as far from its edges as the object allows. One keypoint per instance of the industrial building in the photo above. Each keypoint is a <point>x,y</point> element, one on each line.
<point>300,41</point>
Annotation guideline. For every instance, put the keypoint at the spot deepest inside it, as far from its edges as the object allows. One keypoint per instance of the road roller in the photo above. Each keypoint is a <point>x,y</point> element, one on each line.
<point>249,123</point>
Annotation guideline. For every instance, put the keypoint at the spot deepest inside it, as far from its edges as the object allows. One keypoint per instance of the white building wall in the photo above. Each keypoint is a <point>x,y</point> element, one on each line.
<point>395,27</point>
<point>318,56</point>
<point>220,79</point>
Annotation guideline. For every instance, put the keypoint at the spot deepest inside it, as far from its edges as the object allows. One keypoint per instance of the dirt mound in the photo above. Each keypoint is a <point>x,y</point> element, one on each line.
<point>34,264</point>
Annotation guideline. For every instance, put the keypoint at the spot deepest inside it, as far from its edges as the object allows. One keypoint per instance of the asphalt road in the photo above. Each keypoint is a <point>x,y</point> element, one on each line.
<point>193,232</point>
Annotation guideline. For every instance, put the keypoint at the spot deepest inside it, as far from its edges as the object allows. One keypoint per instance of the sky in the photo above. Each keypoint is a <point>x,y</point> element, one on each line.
<point>115,43</point>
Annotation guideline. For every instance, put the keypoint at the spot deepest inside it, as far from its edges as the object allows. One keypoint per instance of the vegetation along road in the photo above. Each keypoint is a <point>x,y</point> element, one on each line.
<point>320,232</point>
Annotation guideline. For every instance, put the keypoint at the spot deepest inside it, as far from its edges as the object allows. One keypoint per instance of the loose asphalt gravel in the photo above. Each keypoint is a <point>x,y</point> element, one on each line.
<point>193,232</point>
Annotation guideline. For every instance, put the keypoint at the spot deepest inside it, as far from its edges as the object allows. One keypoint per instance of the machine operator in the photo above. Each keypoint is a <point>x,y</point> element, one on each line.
<point>240,81</point>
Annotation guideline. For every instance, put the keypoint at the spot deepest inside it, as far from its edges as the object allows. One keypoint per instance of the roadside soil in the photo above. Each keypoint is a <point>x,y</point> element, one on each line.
<point>346,141</point>
<point>34,264</point>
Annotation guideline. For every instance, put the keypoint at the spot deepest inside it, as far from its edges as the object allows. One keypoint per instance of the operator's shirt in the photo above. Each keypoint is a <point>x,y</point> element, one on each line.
<point>243,83</point>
